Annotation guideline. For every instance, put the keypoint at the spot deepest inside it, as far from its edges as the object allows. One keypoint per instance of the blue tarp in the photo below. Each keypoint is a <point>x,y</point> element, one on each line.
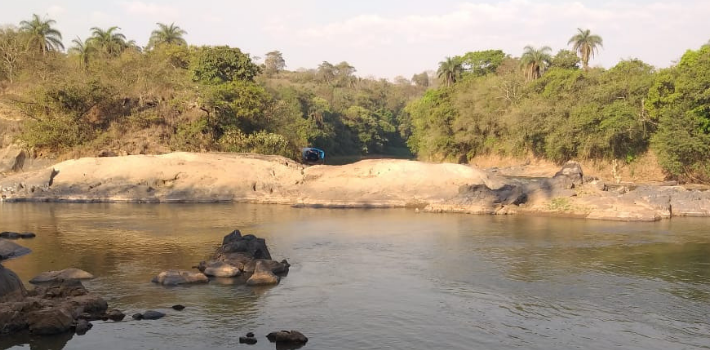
<point>311,154</point>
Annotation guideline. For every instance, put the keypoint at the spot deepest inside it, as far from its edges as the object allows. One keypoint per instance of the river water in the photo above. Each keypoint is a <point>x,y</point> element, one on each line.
<point>380,279</point>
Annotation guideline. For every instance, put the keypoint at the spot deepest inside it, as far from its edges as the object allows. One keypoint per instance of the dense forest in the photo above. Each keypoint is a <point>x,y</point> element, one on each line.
<point>108,93</point>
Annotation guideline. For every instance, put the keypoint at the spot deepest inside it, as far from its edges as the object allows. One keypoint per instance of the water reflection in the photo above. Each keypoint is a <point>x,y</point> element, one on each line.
<point>374,279</point>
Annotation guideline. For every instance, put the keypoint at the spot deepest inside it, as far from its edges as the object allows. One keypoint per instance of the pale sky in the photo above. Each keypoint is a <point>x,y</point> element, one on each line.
<point>387,38</point>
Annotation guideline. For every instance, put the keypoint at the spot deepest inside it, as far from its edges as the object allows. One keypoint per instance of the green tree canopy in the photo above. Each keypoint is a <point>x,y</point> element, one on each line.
<point>586,44</point>
<point>274,63</point>
<point>167,35</point>
<point>220,64</point>
<point>450,70</point>
<point>43,36</point>
<point>480,63</point>
<point>535,61</point>
<point>108,41</point>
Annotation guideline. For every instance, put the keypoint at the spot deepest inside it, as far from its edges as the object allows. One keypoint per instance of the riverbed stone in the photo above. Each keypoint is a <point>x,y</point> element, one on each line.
<point>249,244</point>
<point>10,249</point>
<point>115,315</point>
<point>262,275</point>
<point>66,274</point>
<point>82,326</point>
<point>177,277</point>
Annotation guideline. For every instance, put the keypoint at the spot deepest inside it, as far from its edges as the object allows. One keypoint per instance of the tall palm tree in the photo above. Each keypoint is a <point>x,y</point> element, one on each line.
<point>167,34</point>
<point>535,61</point>
<point>586,44</point>
<point>42,35</point>
<point>450,70</point>
<point>109,41</point>
<point>83,49</point>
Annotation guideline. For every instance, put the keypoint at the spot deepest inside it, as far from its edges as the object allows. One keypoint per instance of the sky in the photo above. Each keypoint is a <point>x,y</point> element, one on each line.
<point>389,38</point>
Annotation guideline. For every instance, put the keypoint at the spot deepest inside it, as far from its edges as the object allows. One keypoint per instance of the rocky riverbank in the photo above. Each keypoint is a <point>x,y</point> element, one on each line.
<point>381,183</point>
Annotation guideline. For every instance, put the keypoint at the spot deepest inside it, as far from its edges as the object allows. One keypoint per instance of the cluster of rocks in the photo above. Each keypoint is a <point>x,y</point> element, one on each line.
<point>17,235</point>
<point>56,307</point>
<point>283,339</point>
<point>244,258</point>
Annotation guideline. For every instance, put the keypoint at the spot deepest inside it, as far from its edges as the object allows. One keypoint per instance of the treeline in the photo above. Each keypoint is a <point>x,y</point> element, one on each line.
<point>557,108</point>
<point>108,93</point>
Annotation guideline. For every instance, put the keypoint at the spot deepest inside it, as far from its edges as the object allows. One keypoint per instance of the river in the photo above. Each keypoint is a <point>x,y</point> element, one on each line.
<point>379,279</point>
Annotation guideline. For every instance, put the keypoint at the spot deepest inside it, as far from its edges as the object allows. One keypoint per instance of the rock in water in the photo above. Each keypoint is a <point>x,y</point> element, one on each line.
<point>9,250</point>
<point>176,277</point>
<point>50,321</point>
<point>219,269</point>
<point>247,340</point>
<point>82,326</point>
<point>11,287</point>
<point>115,315</point>
<point>263,275</point>
<point>66,274</point>
<point>288,337</point>
<point>153,315</point>
<point>178,307</point>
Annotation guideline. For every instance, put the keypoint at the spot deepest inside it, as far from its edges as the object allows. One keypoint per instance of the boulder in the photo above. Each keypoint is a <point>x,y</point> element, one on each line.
<point>262,275</point>
<point>9,250</point>
<point>66,274</point>
<point>115,315</point>
<point>569,176</point>
<point>176,277</point>
<point>247,340</point>
<point>249,244</point>
<point>11,287</point>
<point>289,337</point>
<point>219,269</point>
<point>50,321</point>
<point>12,159</point>
<point>152,315</point>
<point>276,267</point>
<point>178,307</point>
<point>59,289</point>
<point>82,326</point>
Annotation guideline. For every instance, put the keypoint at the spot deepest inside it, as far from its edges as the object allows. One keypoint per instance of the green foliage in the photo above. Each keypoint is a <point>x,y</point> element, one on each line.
<point>261,142</point>
<point>680,101</point>
<point>565,59</point>
<point>480,63</point>
<point>221,64</point>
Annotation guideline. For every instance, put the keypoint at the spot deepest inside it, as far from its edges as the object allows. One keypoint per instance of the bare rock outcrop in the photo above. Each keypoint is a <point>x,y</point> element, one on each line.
<point>66,274</point>
<point>177,277</point>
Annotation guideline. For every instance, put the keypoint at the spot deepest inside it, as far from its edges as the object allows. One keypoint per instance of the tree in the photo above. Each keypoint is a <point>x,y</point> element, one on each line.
<point>274,63</point>
<point>82,49</point>
<point>42,35</point>
<point>421,79</point>
<point>13,46</point>
<point>480,63</point>
<point>565,59</point>
<point>680,102</point>
<point>168,35</point>
<point>221,64</point>
<point>326,72</point>
<point>586,44</point>
<point>535,61</point>
<point>108,41</point>
<point>450,70</point>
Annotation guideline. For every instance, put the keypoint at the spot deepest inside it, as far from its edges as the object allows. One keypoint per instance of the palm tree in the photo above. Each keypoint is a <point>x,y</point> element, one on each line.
<point>585,44</point>
<point>450,70</point>
<point>42,35</point>
<point>83,49</point>
<point>535,61</point>
<point>108,41</point>
<point>167,34</point>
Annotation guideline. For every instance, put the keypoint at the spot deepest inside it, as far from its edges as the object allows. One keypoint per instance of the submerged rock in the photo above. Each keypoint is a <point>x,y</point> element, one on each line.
<point>9,250</point>
<point>66,274</point>
<point>178,307</point>
<point>17,235</point>
<point>176,277</point>
<point>152,315</point>
<point>247,340</point>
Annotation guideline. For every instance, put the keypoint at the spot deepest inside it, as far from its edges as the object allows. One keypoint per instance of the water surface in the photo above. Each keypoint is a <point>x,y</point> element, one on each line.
<point>380,279</point>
